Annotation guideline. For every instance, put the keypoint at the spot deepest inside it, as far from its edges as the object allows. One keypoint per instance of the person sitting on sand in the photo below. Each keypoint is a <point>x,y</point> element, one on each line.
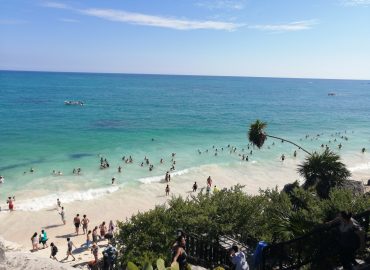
<point>35,242</point>
<point>54,251</point>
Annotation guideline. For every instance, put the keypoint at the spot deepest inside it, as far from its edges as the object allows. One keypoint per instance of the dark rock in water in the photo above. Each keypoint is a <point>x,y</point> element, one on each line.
<point>357,187</point>
<point>80,155</point>
<point>368,182</point>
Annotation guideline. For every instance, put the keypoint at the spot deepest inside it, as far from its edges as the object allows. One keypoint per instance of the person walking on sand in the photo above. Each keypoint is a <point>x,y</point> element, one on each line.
<point>43,239</point>
<point>10,203</point>
<point>209,181</point>
<point>70,245</point>
<point>103,230</point>
<point>63,216</point>
<point>95,234</point>
<point>54,251</point>
<point>85,223</point>
<point>167,190</point>
<point>88,240</point>
<point>59,204</point>
<point>95,252</point>
<point>35,242</point>
<point>195,187</point>
<point>77,223</point>
<point>111,227</point>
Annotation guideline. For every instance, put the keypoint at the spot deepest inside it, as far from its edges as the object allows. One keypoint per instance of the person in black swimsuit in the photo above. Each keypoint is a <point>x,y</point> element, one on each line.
<point>179,253</point>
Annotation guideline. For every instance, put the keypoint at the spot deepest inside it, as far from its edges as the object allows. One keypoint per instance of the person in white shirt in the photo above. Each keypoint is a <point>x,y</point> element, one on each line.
<point>238,258</point>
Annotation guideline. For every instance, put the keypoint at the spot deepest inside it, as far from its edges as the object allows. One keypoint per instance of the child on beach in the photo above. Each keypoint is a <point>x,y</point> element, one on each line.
<point>63,216</point>
<point>54,251</point>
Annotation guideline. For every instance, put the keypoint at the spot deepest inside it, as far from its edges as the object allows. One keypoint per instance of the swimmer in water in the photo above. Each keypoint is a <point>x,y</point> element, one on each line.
<point>113,179</point>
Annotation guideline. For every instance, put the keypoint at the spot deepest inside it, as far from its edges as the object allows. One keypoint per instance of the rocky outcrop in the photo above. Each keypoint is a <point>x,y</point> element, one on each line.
<point>13,259</point>
<point>357,187</point>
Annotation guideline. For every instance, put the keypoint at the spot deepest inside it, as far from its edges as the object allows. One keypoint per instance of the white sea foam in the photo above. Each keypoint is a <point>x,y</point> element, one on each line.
<point>43,202</point>
<point>360,167</point>
<point>153,179</point>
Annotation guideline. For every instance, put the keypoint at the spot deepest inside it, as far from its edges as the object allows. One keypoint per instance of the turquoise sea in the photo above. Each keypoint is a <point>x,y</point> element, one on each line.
<point>156,115</point>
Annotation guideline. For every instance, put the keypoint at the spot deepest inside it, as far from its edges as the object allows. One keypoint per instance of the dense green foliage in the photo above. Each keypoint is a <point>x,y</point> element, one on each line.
<point>270,216</point>
<point>256,134</point>
<point>323,171</point>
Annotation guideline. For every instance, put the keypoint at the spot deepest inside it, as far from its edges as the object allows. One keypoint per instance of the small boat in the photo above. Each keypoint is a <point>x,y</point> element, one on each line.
<point>331,94</point>
<point>73,102</point>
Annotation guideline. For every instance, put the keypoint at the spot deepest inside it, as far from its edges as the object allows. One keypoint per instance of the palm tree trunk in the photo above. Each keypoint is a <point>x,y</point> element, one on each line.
<point>284,140</point>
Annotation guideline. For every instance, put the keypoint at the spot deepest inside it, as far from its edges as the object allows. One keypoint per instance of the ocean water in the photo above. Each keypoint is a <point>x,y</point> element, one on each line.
<point>155,116</point>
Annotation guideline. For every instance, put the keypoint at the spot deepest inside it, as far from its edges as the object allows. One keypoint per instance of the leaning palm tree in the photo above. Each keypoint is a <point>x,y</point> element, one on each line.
<point>323,172</point>
<point>257,135</point>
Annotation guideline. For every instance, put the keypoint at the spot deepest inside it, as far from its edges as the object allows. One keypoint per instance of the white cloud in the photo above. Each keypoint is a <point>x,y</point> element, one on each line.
<point>222,4</point>
<point>55,5</point>
<point>11,22</point>
<point>158,21</point>
<point>356,2</point>
<point>68,20</point>
<point>289,27</point>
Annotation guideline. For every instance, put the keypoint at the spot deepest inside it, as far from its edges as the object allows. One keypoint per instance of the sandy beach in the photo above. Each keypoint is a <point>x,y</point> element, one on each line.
<point>18,226</point>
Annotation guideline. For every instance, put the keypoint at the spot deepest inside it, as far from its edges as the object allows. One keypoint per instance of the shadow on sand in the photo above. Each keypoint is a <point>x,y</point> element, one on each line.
<point>66,235</point>
<point>52,226</point>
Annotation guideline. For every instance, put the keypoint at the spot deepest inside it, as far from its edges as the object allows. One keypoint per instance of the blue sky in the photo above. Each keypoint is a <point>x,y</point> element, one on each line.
<point>275,38</point>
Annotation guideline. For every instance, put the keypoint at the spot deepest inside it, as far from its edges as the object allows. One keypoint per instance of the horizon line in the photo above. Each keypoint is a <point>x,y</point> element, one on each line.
<point>174,74</point>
